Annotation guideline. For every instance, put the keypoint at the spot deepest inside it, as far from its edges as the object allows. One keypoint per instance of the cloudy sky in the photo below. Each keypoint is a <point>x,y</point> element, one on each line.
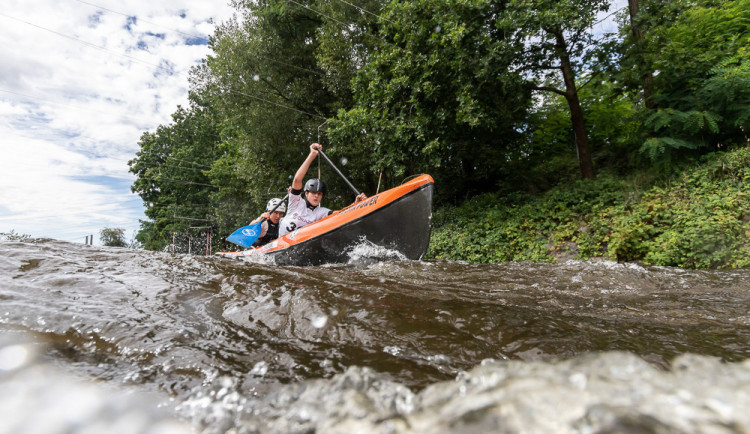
<point>80,81</point>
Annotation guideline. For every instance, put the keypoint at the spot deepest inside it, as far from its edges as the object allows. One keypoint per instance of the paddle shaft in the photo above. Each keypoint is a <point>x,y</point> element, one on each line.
<point>338,171</point>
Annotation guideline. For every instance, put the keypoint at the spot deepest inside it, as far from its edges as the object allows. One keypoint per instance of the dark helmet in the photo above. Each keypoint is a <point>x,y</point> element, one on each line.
<point>315,184</point>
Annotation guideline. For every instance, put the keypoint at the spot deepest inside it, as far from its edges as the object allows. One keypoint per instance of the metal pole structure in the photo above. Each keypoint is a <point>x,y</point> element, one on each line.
<point>319,128</point>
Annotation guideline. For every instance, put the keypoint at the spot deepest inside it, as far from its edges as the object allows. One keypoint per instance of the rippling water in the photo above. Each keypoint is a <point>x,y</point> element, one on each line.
<point>227,341</point>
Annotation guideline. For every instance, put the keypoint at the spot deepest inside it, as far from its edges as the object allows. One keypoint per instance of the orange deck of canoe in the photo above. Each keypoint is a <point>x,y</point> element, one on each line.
<point>391,218</point>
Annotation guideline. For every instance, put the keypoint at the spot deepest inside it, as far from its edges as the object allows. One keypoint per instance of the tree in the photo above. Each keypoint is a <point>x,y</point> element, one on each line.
<point>435,98</point>
<point>348,34</point>
<point>171,174</point>
<point>113,237</point>
<point>278,71</point>
<point>612,127</point>
<point>552,41</point>
<point>277,74</point>
<point>636,28</point>
<point>702,91</point>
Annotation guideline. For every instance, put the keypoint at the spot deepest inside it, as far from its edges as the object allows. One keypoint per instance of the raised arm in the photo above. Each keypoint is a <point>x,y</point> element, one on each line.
<point>299,177</point>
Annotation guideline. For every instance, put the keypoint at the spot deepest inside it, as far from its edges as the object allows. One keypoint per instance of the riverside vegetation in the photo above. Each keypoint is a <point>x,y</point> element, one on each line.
<point>553,129</point>
<point>700,218</point>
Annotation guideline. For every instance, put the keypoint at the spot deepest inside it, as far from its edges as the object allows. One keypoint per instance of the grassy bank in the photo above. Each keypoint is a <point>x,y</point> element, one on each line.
<point>698,219</point>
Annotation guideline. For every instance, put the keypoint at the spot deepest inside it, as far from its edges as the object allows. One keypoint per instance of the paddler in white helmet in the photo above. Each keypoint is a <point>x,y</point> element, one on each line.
<point>269,231</point>
<point>305,209</point>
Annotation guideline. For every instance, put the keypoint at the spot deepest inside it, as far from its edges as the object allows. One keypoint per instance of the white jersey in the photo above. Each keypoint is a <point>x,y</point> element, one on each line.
<point>299,214</point>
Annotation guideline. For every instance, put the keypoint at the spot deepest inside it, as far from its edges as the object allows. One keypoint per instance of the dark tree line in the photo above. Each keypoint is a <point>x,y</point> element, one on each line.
<point>483,95</point>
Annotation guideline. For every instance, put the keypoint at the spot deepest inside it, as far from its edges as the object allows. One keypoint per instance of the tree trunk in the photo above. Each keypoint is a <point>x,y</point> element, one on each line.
<point>576,112</point>
<point>647,77</point>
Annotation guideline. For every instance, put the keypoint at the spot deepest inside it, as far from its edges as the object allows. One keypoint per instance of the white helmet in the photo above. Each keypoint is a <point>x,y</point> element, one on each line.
<point>272,204</point>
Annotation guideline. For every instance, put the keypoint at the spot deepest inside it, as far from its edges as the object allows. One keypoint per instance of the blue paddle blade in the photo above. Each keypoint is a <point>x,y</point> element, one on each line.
<point>246,235</point>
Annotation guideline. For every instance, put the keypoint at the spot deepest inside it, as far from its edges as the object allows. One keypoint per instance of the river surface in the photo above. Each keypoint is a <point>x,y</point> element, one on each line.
<point>151,342</point>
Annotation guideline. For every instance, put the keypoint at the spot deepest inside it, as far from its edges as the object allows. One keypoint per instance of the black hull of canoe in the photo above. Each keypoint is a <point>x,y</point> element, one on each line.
<point>403,225</point>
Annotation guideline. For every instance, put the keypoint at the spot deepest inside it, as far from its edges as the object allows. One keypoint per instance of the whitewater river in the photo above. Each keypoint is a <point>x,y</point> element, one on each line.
<point>98,339</point>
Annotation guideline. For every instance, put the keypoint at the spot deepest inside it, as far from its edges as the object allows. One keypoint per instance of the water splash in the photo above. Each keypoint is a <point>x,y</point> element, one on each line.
<point>13,357</point>
<point>38,397</point>
<point>319,321</point>
<point>366,252</point>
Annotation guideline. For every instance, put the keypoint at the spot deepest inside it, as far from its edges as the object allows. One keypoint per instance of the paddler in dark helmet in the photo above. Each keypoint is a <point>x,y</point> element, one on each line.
<point>305,209</point>
<point>275,210</point>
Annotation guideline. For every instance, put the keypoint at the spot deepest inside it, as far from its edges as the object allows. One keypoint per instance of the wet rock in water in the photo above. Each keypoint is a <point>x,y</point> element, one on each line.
<point>605,392</point>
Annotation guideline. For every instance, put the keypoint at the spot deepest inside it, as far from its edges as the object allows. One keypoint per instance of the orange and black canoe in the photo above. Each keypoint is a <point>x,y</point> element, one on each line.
<point>396,219</point>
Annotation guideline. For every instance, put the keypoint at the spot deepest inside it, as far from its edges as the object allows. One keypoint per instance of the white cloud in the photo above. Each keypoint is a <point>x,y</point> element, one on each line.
<point>80,82</point>
<point>606,21</point>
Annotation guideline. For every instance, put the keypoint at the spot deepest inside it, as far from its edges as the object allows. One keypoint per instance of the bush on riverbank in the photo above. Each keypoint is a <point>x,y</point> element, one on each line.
<point>698,219</point>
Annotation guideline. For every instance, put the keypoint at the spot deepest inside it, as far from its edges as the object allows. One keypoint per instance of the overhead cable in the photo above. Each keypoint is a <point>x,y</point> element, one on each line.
<point>276,104</point>
<point>368,12</point>
<point>318,12</point>
<point>288,64</point>
<point>74,107</point>
<point>608,16</point>
<point>195,36</point>
<point>140,19</point>
<point>169,70</point>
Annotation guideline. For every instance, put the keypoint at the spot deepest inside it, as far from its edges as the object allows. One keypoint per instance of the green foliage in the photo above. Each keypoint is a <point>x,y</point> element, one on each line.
<point>534,29</point>
<point>614,129</point>
<point>522,228</point>
<point>701,220</point>
<point>701,87</point>
<point>113,237</point>
<point>276,77</point>
<point>436,97</point>
<point>445,87</point>
<point>549,44</point>
<point>171,169</point>
<point>548,153</point>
